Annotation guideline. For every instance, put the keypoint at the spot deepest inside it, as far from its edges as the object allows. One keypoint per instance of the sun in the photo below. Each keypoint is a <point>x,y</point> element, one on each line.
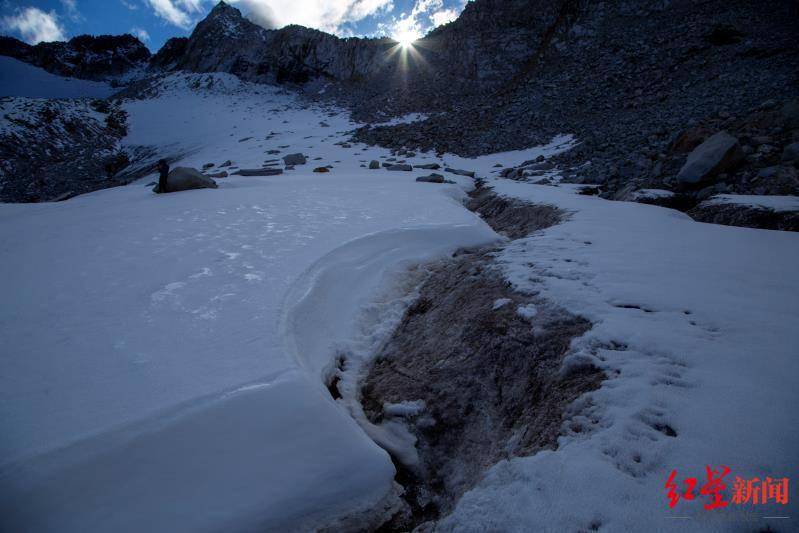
<point>406,38</point>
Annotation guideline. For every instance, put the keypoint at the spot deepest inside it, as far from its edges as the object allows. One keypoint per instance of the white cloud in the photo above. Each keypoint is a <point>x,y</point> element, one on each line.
<point>141,33</point>
<point>181,13</point>
<point>424,16</point>
<point>71,9</point>
<point>129,5</point>
<point>443,16</point>
<point>326,15</point>
<point>34,25</point>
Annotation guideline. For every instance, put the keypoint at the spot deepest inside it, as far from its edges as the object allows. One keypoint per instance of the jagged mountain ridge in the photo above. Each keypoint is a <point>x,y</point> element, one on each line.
<point>88,57</point>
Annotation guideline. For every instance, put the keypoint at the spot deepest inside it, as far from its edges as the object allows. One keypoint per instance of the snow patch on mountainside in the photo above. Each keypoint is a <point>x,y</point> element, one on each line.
<point>21,79</point>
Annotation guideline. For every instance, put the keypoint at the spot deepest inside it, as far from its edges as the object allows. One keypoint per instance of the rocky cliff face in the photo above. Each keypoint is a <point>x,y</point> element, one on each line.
<point>103,57</point>
<point>227,42</point>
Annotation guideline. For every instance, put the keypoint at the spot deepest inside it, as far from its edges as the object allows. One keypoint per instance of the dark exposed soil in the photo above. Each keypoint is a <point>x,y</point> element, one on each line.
<point>490,378</point>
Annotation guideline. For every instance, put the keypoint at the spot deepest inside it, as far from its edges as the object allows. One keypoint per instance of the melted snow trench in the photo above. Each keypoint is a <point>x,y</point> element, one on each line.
<point>451,370</point>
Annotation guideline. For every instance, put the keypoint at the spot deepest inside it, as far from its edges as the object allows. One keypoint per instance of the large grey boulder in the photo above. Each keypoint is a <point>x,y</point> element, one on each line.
<point>374,165</point>
<point>718,154</point>
<point>295,159</point>
<point>401,167</point>
<point>184,179</point>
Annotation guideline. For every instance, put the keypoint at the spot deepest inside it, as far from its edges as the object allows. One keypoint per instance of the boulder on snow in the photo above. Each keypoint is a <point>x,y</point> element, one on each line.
<point>295,159</point>
<point>432,178</point>
<point>321,169</point>
<point>222,174</point>
<point>184,179</point>
<point>467,173</point>
<point>374,165</point>
<point>258,172</point>
<point>720,153</point>
<point>401,167</point>
<point>429,166</point>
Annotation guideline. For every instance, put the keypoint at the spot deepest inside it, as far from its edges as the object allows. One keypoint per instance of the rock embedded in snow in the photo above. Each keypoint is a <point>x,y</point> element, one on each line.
<point>429,166</point>
<point>185,178</point>
<point>718,154</point>
<point>374,165</point>
<point>222,174</point>
<point>295,159</point>
<point>321,170</point>
<point>400,167</point>
<point>258,172</point>
<point>432,178</point>
<point>467,173</point>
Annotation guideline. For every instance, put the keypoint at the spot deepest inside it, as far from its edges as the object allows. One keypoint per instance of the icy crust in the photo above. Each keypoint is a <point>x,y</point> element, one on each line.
<point>694,325</point>
<point>234,462</point>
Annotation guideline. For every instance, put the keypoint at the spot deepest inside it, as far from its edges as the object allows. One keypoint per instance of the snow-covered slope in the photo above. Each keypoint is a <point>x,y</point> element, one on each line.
<point>166,355</point>
<point>695,325</point>
<point>21,79</point>
<point>149,354</point>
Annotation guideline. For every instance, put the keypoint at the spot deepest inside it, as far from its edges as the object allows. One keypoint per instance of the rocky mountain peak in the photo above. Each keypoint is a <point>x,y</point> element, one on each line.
<point>101,57</point>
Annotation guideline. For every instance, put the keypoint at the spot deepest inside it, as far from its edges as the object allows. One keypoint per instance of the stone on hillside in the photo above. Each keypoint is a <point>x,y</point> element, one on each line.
<point>720,153</point>
<point>207,166</point>
<point>222,174</point>
<point>403,168</point>
<point>295,159</point>
<point>505,172</point>
<point>226,163</point>
<point>432,178</point>
<point>467,173</point>
<point>321,169</point>
<point>544,165</point>
<point>429,166</point>
<point>258,172</point>
<point>791,152</point>
<point>374,165</point>
<point>790,112</point>
<point>184,179</point>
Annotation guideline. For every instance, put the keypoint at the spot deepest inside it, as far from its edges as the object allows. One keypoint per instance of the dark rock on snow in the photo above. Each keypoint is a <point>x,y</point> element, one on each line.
<point>184,179</point>
<point>258,172</point>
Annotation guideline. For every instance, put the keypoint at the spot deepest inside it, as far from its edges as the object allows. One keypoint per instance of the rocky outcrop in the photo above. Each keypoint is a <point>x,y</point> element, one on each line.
<point>746,216</point>
<point>628,79</point>
<point>169,56</point>
<point>225,41</point>
<point>55,149</point>
<point>103,57</point>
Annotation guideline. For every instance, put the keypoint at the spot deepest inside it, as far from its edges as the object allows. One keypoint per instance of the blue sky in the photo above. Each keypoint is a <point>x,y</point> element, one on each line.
<point>155,21</point>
